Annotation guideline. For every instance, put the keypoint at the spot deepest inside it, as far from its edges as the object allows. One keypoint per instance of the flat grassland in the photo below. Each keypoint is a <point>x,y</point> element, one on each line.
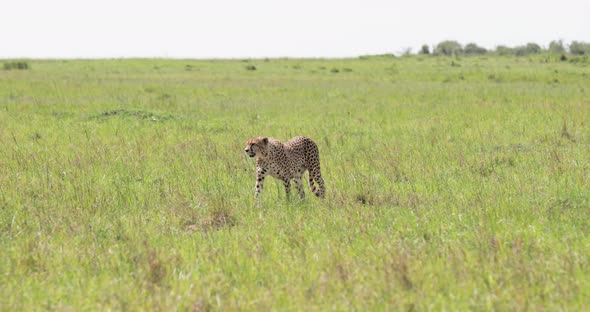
<point>452,184</point>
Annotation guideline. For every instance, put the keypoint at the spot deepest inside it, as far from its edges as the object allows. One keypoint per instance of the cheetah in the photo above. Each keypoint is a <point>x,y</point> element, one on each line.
<point>287,161</point>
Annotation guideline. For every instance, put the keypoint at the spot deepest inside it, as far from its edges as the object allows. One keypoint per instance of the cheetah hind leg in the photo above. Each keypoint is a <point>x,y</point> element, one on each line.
<point>311,185</point>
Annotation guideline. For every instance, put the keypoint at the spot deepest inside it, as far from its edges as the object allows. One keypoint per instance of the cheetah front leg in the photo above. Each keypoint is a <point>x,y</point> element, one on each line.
<point>299,186</point>
<point>260,175</point>
<point>287,184</point>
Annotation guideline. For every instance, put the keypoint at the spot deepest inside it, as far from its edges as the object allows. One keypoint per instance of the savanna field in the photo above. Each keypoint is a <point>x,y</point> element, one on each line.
<point>452,184</point>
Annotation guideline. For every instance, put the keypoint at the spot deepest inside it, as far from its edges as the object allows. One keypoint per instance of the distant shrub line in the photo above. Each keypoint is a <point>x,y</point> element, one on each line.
<point>451,47</point>
<point>21,65</point>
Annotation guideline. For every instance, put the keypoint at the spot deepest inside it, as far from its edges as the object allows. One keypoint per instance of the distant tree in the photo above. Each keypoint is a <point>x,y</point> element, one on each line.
<point>533,48</point>
<point>556,47</point>
<point>406,51</point>
<point>425,49</point>
<point>519,51</point>
<point>580,48</point>
<point>504,50</point>
<point>448,47</point>
<point>474,49</point>
<point>523,50</point>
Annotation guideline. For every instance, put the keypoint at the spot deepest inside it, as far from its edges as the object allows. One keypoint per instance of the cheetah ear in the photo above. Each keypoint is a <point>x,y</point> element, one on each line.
<point>265,140</point>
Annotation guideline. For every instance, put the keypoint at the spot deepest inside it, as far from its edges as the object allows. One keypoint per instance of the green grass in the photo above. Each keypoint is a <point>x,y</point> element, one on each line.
<point>452,184</point>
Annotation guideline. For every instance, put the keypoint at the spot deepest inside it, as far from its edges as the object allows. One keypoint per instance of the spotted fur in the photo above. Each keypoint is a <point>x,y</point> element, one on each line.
<point>287,161</point>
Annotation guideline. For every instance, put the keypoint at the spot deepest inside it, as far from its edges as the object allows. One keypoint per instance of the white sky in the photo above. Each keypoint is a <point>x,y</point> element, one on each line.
<point>266,28</point>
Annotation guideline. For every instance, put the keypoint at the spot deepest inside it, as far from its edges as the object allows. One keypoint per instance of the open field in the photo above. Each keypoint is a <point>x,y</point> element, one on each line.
<point>452,184</point>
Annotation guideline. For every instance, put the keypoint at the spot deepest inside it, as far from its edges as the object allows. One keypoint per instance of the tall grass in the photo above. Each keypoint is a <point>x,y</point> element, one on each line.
<point>452,184</point>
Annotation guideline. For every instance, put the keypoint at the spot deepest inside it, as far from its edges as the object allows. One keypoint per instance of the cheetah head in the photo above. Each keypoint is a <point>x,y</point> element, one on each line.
<point>256,146</point>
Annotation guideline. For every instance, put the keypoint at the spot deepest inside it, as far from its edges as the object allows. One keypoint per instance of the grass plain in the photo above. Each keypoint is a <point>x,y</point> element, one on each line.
<point>452,184</point>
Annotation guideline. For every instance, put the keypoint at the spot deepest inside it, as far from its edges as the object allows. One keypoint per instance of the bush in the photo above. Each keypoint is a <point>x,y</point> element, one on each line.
<point>474,49</point>
<point>20,65</point>
<point>448,47</point>
<point>580,48</point>
<point>580,59</point>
